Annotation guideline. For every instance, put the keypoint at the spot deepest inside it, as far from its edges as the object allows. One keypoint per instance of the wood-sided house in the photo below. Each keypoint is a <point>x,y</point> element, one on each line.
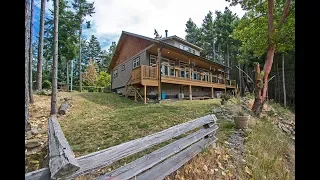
<point>138,60</point>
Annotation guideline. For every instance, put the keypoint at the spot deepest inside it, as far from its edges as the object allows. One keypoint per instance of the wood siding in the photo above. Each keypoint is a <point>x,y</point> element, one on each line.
<point>123,76</point>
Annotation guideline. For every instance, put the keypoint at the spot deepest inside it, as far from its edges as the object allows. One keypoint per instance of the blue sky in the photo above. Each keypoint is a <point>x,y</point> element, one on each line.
<point>141,17</point>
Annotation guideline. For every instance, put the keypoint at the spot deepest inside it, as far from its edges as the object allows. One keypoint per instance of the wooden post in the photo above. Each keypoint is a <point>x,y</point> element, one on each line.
<point>190,92</point>
<point>190,70</point>
<point>145,94</point>
<point>135,94</point>
<point>212,92</point>
<point>159,74</point>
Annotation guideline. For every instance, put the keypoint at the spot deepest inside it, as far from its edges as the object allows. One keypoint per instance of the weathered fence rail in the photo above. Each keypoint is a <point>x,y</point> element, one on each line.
<point>162,161</point>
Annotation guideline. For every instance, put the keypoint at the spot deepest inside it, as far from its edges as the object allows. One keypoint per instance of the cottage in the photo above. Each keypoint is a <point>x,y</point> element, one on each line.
<point>162,68</point>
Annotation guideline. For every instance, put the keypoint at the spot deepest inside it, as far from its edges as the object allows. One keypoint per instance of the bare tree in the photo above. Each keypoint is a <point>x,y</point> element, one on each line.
<point>30,55</point>
<point>26,64</point>
<point>40,47</point>
<point>54,108</point>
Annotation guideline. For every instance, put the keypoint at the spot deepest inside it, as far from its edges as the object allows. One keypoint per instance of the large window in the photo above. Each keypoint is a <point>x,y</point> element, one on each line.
<point>136,62</point>
<point>115,73</point>
<point>186,48</point>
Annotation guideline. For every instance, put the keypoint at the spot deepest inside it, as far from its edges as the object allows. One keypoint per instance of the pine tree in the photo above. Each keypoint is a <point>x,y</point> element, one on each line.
<point>90,74</point>
<point>193,33</point>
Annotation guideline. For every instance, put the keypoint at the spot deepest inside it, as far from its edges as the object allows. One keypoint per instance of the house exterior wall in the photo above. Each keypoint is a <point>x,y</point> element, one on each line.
<point>123,76</point>
<point>177,44</point>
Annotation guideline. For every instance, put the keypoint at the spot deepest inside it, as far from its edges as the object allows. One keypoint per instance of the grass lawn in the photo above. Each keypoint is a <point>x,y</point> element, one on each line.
<point>100,120</point>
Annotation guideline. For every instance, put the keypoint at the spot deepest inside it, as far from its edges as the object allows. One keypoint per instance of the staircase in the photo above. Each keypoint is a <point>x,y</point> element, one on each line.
<point>131,90</point>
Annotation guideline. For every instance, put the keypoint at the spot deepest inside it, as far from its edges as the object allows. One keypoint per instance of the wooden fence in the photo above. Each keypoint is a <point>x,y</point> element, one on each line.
<point>155,165</point>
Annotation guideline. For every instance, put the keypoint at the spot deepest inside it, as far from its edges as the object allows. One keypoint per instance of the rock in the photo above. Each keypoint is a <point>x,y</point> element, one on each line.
<point>247,131</point>
<point>205,168</point>
<point>32,143</point>
<point>28,135</point>
<point>34,131</point>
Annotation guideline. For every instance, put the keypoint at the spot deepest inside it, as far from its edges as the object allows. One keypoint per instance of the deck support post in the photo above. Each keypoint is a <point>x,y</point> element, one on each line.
<point>135,94</point>
<point>212,92</point>
<point>159,73</point>
<point>190,92</point>
<point>145,94</point>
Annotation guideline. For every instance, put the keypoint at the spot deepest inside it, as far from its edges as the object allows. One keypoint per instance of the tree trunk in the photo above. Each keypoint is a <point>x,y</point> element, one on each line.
<point>63,108</point>
<point>71,75</point>
<point>26,64</point>
<point>228,62</point>
<point>55,60</point>
<point>261,96</point>
<point>40,47</point>
<point>67,75</point>
<point>278,82</point>
<point>80,32</point>
<point>284,84</point>
<point>257,92</point>
<point>30,55</point>
<point>240,92</point>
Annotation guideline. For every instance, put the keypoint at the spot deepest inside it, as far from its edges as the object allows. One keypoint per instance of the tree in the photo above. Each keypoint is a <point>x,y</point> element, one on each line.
<point>40,50</point>
<point>26,64</point>
<point>208,39</point>
<point>259,32</point>
<point>84,9</point>
<point>193,33</point>
<point>30,55</point>
<point>90,75</point>
<point>106,56</point>
<point>55,60</point>
<point>104,79</point>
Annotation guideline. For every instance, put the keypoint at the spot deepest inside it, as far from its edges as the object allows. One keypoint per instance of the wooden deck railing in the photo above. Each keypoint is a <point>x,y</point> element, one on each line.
<point>155,165</point>
<point>149,72</point>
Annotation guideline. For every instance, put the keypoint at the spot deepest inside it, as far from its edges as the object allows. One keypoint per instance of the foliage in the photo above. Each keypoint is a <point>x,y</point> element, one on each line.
<point>104,79</point>
<point>46,84</point>
<point>193,33</point>
<point>90,74</point>
<point>252,30</point>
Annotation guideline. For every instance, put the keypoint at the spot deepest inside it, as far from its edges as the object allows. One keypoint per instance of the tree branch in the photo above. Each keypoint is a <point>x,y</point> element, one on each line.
<point>285,12</point>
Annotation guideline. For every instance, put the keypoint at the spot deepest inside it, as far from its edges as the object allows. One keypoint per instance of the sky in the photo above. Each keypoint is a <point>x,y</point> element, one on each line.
<point>143,16</point>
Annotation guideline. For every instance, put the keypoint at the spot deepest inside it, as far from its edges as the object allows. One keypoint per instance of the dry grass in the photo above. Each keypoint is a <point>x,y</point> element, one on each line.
<point>97,121</point>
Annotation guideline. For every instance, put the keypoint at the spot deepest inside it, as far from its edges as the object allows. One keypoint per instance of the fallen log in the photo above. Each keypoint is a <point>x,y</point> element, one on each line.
<point>63,108</point>
<point>62,162</point>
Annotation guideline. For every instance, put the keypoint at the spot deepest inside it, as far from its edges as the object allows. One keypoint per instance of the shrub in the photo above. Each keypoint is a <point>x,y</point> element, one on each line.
<point>46,84</point>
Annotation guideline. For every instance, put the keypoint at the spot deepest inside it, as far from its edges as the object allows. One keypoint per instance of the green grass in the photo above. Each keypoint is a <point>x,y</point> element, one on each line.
<point>101,120</point>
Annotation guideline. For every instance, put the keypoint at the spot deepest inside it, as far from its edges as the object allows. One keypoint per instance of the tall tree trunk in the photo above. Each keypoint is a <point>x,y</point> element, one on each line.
<point>67,75</point>
<point>240,92</point>
<point>260,98</point>
<point>40,47</point>
<point>71,75</point>
<point>80,32</point>
<point>54,108</point>
<point>284,84</point>
<point>26,64</point>
<point>30,55</point>
<point>228,62</point>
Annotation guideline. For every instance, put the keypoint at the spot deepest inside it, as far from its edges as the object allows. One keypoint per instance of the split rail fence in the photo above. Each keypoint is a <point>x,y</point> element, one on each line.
<point>156,165</point>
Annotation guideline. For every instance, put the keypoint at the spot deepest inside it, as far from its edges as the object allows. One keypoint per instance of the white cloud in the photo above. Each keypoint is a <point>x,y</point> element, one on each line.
<point>142,16</point>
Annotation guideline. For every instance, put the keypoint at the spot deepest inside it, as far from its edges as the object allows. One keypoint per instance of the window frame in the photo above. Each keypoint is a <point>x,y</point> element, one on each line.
<point>136,62</point>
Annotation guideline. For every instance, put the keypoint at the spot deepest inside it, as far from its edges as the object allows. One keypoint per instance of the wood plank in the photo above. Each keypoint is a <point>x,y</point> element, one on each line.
<point>62,162</point>
<point>107,156</point>
<point>173,163</point>
<point>147,161</point>
<point>41,174</point>
<point>110,155</point>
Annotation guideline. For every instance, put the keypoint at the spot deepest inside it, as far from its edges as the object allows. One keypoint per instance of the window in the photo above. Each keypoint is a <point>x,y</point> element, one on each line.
<point>115,73</point>
<point>122,67</point>
<point>153,60</point>
<point>193,51</point>
<point>136,62</point>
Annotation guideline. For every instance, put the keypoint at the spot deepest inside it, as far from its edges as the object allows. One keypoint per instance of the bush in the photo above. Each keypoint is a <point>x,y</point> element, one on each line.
<point>46,84</point>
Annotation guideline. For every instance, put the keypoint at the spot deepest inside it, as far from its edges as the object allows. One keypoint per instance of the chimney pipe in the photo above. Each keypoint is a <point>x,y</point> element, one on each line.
<point>166,33</point>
